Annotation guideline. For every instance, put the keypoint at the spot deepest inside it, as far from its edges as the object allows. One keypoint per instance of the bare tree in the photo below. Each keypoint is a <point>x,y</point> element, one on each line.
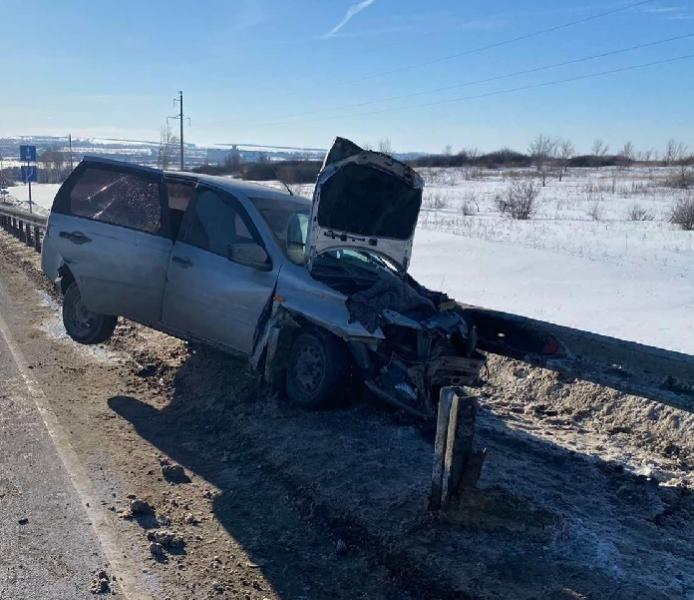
<point>599,148</point>
<point>674,152</point>
<point>648,155</point>
<point>168,144</point>
<point>542,149</point>
<point>626,155</point>
<point>566,151</point>
<point>471,153</point>
<point>385,146</point>
<point>232,161</point>
<point>52,163</point>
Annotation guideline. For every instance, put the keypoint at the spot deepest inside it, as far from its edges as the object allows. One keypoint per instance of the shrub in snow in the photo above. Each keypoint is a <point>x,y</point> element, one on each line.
<point>683,179</point>
<point>683,213</point>
<point>436,201</point>
<point>596,212</point>
<point>638,213</point>
<point>470,205</point>
<point>518,202</point>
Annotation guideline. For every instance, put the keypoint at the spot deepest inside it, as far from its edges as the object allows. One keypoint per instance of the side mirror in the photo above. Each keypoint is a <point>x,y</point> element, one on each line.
<point>250,255</point>
<point>297,230</point>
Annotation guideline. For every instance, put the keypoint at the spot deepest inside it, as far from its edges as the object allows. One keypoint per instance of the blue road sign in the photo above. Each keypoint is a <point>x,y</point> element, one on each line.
<point>27,153</point>
<point>29,174</point>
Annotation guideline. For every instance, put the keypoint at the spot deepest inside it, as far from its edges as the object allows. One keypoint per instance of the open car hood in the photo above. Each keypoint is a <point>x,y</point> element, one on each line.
<point>364,200</point>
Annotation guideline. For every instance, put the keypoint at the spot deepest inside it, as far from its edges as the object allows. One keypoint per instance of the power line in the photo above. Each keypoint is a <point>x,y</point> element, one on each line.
<point>505,42</point>
<point>479,49</point>
<point>488,79</point>
<point>510,90</point>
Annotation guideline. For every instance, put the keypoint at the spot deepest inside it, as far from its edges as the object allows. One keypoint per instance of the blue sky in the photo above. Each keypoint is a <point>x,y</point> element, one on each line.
<point>300,72</point>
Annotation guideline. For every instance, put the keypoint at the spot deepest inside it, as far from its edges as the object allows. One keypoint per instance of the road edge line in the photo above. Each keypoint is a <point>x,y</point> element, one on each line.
<point>121,570</point>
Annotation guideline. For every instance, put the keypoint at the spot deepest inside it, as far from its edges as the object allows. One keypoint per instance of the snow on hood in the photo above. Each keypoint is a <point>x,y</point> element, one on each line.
<point>364,200</point>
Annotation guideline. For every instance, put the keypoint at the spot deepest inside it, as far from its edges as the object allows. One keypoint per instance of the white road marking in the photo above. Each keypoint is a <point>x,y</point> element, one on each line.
<point>121,569</point>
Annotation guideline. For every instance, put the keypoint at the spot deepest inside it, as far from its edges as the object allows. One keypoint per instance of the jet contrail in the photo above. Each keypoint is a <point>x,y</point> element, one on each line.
<point>352,11</point>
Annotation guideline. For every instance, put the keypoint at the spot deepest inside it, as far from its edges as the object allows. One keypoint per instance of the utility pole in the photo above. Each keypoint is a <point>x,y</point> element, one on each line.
<point>69,137</point>
<point>180,119</point>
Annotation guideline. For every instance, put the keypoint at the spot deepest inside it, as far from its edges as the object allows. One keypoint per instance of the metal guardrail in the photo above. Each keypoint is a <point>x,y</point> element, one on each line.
<point>655,373</point>
<point>27,227</point>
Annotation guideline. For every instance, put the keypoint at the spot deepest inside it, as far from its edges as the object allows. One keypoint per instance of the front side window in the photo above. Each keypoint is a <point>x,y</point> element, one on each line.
<point>218,224</point>
<point>117,197</point>
<point>288,221</point>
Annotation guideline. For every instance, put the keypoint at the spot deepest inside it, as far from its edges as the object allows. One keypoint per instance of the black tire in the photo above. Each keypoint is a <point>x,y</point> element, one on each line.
<point>317,374</point>
<point>82,325</point>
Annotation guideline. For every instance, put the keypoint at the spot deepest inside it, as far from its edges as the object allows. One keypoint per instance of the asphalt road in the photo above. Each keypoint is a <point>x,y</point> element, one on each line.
<point>48,548</point>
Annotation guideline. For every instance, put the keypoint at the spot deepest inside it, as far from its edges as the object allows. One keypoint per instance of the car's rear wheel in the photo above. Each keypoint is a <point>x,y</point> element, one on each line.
<point>318,370</point>
<point>81,324</point>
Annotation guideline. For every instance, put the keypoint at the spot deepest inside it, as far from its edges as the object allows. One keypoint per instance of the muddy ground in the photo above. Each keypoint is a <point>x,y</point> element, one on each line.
<point>586,492</point>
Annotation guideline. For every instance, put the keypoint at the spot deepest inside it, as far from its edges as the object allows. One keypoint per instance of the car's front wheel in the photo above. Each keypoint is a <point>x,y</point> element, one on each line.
<point>81,324</point>
<point>318,370</point>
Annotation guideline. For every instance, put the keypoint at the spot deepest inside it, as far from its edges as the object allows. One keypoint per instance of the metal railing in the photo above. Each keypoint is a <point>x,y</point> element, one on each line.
<point>27,227</point>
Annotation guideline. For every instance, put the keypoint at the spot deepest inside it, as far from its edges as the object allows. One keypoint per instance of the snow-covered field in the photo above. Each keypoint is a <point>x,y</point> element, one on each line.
<point>580,261</point>
<point>42,195</point>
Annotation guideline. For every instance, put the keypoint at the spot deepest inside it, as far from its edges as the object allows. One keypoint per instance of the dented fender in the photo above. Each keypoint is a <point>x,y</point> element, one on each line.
<point>299,300</point>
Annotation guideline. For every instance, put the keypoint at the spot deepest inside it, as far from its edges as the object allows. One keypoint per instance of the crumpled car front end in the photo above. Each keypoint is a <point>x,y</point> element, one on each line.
<point>405,341</point>
<point>421,341</point>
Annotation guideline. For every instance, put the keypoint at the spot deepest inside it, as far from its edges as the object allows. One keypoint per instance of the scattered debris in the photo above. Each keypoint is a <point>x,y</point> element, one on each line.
<point>174,473</point>
<point>166,539</point>
<point>101,583</point>
<point>157,550</point>
<point>191,519</point>
<point>140,507</point>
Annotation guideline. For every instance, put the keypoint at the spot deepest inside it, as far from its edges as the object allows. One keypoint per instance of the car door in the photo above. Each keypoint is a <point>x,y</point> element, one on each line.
<point>220,277</point>
<point>109,227</point>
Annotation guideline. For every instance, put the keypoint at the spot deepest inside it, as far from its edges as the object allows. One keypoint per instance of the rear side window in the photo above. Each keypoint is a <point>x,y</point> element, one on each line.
<point>117,197</point>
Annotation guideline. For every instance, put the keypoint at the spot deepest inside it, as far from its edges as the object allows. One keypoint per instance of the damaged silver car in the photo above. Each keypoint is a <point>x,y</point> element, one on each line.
<point>316,294</point>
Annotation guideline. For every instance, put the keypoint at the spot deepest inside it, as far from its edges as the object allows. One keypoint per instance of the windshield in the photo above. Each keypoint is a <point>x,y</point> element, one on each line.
<point>288,221</point>
<point>352,262</point>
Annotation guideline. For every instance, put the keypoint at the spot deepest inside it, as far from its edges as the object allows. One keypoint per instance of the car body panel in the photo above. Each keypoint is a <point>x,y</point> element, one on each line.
<point>128,277</point>
<point>364,200</point>
<point>214,299</point>
<point>318,303</point>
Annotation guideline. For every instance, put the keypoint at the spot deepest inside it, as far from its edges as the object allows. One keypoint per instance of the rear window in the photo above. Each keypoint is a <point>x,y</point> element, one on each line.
<point>119,198</point>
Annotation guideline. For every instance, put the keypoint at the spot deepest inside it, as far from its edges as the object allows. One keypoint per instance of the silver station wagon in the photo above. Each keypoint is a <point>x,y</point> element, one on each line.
<point>315,293</point>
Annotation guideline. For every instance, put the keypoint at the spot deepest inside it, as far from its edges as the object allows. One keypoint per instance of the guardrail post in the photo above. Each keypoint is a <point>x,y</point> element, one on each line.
<point>457,467</point>
<point>27,235</point>
<point>37,238</point>
<point>28,228</point>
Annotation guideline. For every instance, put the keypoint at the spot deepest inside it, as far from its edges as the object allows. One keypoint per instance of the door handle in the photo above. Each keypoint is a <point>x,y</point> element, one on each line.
<point>76,237</point>
<point>184,261</point>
